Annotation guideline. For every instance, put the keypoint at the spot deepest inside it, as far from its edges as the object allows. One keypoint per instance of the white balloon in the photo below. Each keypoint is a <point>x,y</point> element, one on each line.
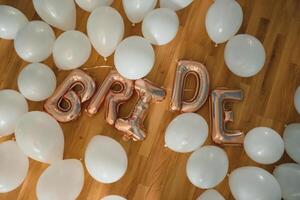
<point>13,166</point>
<point>264,145</point>
<point>134,57</point>
<point>223,20</point>
<point>36,82</point>
<point>210,195</point>
<point>11,21</point>
<point>174,4</point>
<point>288,176</point>
<point>248,183</point>
<point>297,99</point>
<point>12,106</point>
<point>105,159</point>
<point>207,167</point>
<point>58,13</point>
<point>62,180</point>
<point>291,137</point>
<point>244,55</point>
<point>91,5</point>
<point>105,28</point>
<point>71,50</point>
<point>113,197</point>
<point>34,41</point>
<point>186,132</point>
<point>160,26</point>
<point>40,137</point>
<point>136,10</point>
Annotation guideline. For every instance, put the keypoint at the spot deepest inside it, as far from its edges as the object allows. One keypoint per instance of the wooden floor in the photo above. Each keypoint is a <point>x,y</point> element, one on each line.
<point>155,172</point>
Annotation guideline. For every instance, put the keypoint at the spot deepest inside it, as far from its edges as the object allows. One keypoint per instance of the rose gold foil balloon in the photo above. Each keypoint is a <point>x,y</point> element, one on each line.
<point>184,69</point>
<point>220,116</point>
<point>113,99</point>
<point>132,127</point>
<point>67,94</point>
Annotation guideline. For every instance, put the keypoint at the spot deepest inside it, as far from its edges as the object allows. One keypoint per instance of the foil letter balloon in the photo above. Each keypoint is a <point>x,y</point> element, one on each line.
<point>220,116</point>
<point>132,127</point>
<point>65,104</point>
<point>184,69</point>
<point>113,99</point>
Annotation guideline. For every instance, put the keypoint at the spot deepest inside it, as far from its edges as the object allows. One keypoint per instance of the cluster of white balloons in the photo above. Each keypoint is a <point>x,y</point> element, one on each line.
<point>38,135</point>
<point>35,40</point>
<point>207,166</point>
<point>244,54</point>
<point>134,56</point>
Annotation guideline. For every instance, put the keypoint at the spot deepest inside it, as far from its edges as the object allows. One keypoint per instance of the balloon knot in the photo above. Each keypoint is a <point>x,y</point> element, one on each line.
<point>105,59</point>
<point>216,45</point>
<point>133,24</point>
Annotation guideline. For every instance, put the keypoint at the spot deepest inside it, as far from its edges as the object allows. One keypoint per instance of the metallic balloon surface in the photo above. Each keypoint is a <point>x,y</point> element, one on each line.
<point>113,99</point>
<point>77,88</point>
<point>220,116</point>
<point>132,127</point>
<point>184,69</point>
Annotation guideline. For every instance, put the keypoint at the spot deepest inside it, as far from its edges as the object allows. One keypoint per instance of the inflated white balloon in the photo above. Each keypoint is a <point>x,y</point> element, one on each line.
<point>11,21</point>
<point>91,5</point>
<point>207,167</point>
<point>210,195</point>
<point>223,20</point>
<point>57,13</point>
<point>105,159</point>
<point>134,57</point>
<point>136,10</point>
<point>244,55</point>
<point>113,197</point>
<point>264,145</point>
<point>34,41</point>
<point>174,4</point>
<point>248,183</point>
<point>105,28</point>
<point>37,82</point>
<point>40,137</point>
<point>297,99</point>
<point>160,26</point>
<point>63,180</point>
<point>186,132</point>
<point>288,176</point>
<point>12,106</point>
<point>291,137</point>
<point>13,166</point>
<point>71,50</point>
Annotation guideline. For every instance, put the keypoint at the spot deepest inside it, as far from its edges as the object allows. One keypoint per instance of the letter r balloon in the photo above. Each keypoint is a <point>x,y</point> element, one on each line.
<point>113,99</point>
